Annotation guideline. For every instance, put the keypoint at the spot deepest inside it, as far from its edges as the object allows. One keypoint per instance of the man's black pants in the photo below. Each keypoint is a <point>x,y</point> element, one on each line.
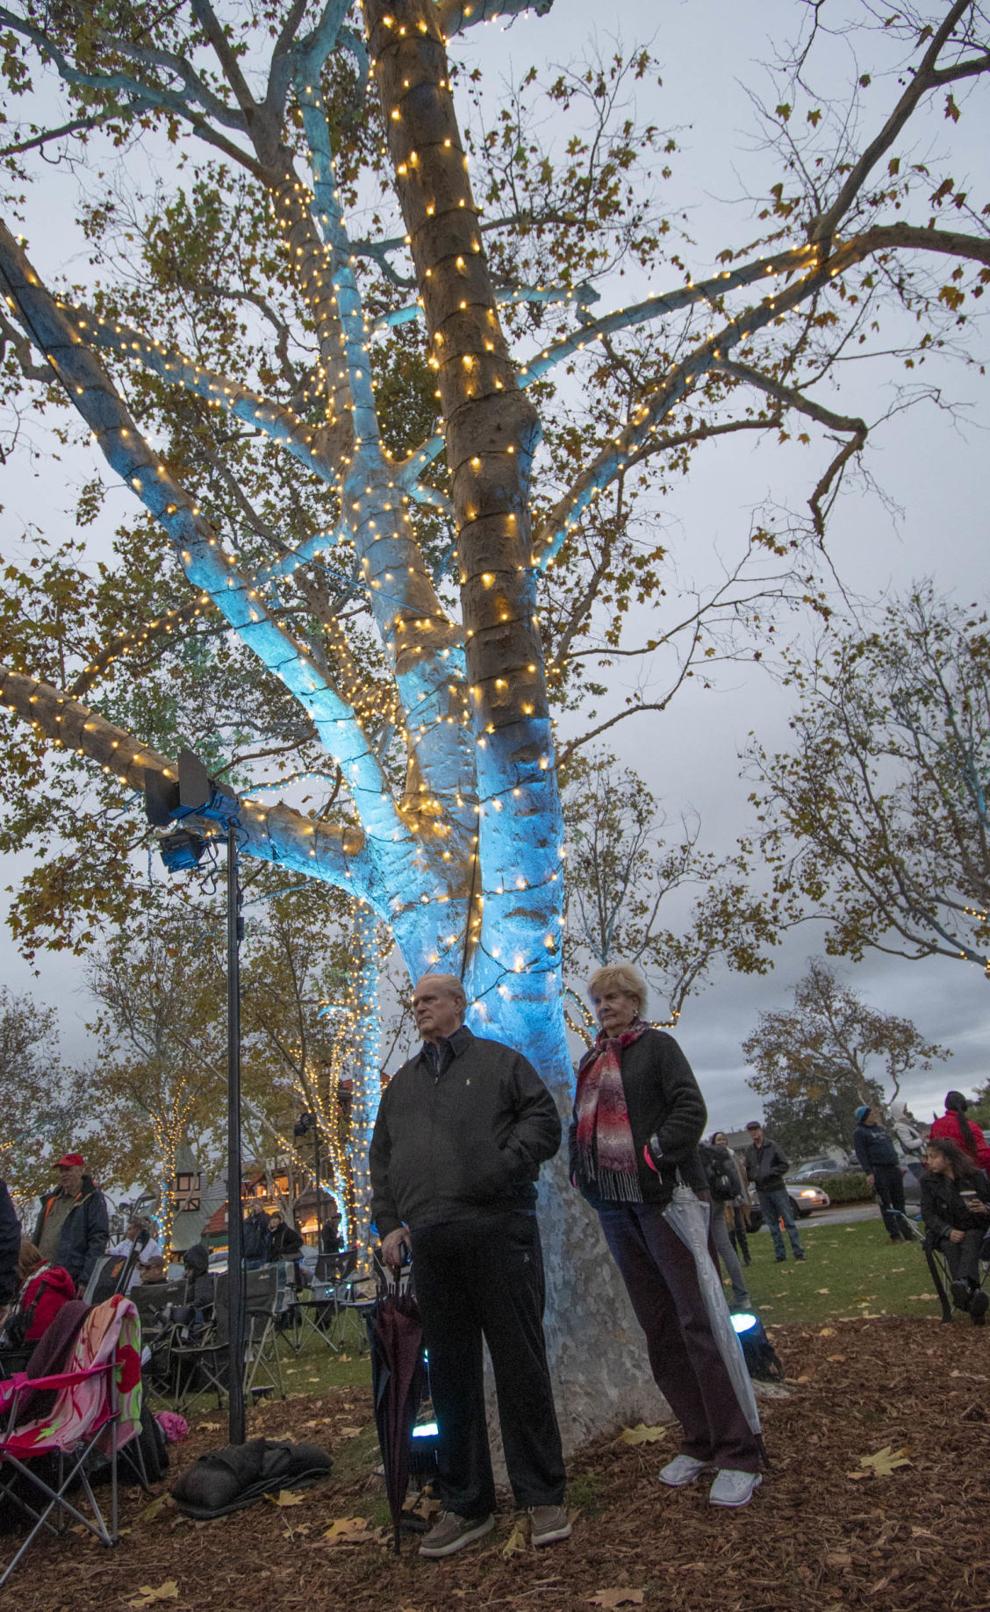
<point>479,1279</point>
<point>889,1184</point>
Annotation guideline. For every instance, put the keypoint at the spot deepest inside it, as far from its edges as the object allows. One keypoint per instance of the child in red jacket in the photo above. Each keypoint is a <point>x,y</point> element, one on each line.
<point>44,1289</point>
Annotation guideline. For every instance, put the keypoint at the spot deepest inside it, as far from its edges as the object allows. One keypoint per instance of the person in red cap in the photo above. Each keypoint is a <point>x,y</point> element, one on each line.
<point>73,1226</point>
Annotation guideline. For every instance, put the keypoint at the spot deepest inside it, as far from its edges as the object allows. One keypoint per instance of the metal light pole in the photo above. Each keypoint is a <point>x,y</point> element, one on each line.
<point>235,1226</point>
<point>167,802</point>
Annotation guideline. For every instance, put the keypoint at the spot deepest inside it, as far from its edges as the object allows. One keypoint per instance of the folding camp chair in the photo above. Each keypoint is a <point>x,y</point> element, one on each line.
<point>941,1273</point>
<point>201,1365</point>
<point>154,1304</point>
<point>45,1458</point>
<point>329,1291</point>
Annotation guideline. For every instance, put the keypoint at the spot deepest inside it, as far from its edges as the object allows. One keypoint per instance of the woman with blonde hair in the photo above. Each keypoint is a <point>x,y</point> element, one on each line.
<point>638,1118</point>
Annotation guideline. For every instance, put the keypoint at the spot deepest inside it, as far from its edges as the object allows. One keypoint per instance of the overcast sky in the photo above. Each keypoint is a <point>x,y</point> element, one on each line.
<point>930,464</point>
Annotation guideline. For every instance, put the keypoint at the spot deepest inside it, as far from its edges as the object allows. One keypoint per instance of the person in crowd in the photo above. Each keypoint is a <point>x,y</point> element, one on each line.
<point>966,1134</point>
<point>956,1224</point>
<point>877,1155</point>
<point>44,1289</point>
<point>257,1244</point>
<point>331,1242</point>
<point>73,1226</point>
<point>637,1121</point>
<point>153,1270</point>
<point>286,1243</point>
<point>10,1244</point>
<point>138,1235</point>
<point>736,1213</point>
<point>724,1188</point>
<point>197,1297</point>
<point>766,1167</point>
<point>462,1130</point>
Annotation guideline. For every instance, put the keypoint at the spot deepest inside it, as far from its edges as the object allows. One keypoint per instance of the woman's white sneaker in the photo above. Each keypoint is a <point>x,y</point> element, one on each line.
<point>734,1488</point>
<point>682,1470</point>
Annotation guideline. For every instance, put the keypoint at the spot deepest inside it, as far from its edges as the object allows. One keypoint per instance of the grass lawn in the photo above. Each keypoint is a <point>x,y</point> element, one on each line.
<point>850,1271</point>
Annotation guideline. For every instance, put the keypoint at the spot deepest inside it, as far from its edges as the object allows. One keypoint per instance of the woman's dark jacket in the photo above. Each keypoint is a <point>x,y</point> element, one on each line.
<point>943,1207</point>
<point>85,1231</point>
<point>286,1242</point>
<point>664,1100</point>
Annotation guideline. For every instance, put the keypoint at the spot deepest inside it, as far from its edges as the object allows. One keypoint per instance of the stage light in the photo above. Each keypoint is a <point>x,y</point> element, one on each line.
<point>181,850</point>
<point>762,1360</point>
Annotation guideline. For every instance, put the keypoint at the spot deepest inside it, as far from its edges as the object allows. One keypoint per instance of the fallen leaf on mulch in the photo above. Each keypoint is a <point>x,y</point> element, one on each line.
<point>349,1432</point>
<point>617,1597</point>
<point>148,1594</point>
<point>884,1461</point>
<point>287,1497</point>
<point>350,1531</point>
<point>516,1541</point>
<point>151,1511</point>
<point>641,1434</point>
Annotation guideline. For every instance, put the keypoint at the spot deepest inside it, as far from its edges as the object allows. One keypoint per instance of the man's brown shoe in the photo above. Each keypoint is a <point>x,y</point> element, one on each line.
<point>450,1533</point>
<point>548,1524</point>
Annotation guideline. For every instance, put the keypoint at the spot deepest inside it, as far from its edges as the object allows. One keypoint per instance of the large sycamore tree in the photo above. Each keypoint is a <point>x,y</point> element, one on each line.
<point>390,463</point>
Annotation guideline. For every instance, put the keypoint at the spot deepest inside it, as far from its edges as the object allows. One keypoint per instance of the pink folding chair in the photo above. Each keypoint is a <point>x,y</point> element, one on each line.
<point>97,1410</point>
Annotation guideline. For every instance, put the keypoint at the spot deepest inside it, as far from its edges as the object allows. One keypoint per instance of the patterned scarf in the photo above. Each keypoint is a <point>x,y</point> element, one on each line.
<point>606,1154</point>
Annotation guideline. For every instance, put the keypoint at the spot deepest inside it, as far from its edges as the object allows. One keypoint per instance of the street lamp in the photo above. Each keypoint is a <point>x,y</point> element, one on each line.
<point>304,1124</point>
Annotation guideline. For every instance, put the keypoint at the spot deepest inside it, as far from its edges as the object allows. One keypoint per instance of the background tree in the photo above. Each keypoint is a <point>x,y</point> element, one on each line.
<point>251,367</point>
<point>643,891</point>
<point>47,1108</point>
<point>816,1062</point>
<point>877,817</point>
<point>158,1077</point>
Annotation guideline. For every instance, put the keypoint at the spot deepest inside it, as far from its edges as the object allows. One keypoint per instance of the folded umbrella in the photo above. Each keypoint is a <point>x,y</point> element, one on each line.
<point>398,1382</point>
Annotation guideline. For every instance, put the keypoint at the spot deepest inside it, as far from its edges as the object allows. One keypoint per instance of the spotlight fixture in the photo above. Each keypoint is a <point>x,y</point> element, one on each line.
<point>181,850</point>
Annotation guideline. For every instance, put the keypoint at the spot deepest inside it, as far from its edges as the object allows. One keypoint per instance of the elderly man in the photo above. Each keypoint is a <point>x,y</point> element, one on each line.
<point>461,1133</point>
<point>138,1236</point>
<point>72,1227</point>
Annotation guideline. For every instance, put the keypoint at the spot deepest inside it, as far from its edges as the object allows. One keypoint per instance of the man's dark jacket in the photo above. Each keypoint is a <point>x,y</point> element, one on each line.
<point>10,1246</point>
<point>766,1166</point>
<point>84,1234</point>
<point>257,1236</point>
<point>462,1140</point>
<point>874,1148</point>
<point>664,1100</point>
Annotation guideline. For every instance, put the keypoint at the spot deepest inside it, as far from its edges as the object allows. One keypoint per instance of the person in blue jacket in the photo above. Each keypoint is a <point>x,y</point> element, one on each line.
<point>878,1160</point>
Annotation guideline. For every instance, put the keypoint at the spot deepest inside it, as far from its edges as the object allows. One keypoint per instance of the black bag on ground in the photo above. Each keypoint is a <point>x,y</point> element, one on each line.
<point>236,1476</point>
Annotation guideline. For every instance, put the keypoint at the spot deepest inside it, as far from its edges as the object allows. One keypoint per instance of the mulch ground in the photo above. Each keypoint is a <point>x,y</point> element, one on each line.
<point>825,1532</point>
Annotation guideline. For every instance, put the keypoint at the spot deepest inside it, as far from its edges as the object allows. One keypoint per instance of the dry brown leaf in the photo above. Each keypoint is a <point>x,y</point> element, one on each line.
<point>149,1594</point>
<point>885,1461</point>
<point>641,1434</point>
<point>516,1541</point>
<point>616,1597</point>
<point>348,1432</point>
<point>349,1531</point>
<point>287,1497</point>
<point>838,1558</point>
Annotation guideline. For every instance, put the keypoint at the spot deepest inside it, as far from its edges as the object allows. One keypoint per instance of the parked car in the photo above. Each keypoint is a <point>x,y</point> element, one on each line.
<point>820,1167</point>
<point>805,1197</point>
<point>912,1170</point>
